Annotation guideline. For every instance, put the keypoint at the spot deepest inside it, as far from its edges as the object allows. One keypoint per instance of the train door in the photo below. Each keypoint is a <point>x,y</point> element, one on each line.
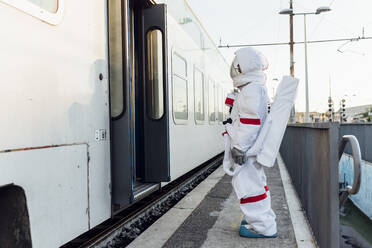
<point>139,98</point>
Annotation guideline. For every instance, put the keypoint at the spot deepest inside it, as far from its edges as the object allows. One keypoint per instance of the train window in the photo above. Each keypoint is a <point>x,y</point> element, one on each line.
<point>220,105</point>
<point>225,108</point>
<point>49,11</point>
<point>211,100</point>
<point>216,100</point>
<point>155,97</point>
<point>180,104</point>
<point>49,5</point>
<point>179,66</point>
<point>199,95</point>
<point>116,59</point>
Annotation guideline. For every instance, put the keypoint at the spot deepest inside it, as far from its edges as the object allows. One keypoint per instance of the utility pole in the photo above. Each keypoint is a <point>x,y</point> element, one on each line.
<point>307,115</point>
<point>291,60</point>
<point>330,102</point>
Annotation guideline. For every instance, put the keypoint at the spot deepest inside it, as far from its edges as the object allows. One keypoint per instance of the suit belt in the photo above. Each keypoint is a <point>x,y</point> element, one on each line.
<point>256,198</point>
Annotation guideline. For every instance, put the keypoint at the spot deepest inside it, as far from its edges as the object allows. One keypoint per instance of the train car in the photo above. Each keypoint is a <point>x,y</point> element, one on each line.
<point>102,103</point>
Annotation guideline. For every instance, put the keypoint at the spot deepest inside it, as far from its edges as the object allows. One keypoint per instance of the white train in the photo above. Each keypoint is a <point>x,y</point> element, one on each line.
<point>101,101</point>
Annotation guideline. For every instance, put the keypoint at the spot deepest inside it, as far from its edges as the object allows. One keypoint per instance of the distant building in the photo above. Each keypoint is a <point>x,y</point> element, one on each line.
<point>314,117</point>
<point>354,114</point>
<point>300,117</point>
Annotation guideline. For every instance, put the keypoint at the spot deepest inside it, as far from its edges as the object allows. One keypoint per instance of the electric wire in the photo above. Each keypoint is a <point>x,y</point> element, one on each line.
<point>297,42</point>
<point>321,20</point>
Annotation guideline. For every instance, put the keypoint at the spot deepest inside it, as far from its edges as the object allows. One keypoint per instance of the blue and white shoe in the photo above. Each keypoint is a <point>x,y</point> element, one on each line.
<point>248,233</point>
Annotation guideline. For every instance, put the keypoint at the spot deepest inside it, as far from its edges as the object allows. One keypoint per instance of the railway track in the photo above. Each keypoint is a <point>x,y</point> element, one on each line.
<point>127,224</point>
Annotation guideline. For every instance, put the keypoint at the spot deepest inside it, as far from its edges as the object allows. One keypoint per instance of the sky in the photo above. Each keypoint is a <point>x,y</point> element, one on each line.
<point>347,66</point>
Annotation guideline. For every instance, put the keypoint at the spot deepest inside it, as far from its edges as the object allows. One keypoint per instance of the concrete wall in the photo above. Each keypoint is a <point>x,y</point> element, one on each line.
<point>310,153</point>
<point>363,132</point>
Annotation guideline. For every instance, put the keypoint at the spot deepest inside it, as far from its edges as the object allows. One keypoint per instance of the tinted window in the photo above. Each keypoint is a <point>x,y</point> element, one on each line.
<point>116,59</point>
<point>199,95</point>
<point>220,105</point>
<point>211,101</point>
<point>155,87</point>
<point>179,66</point>
<point>180,105</point>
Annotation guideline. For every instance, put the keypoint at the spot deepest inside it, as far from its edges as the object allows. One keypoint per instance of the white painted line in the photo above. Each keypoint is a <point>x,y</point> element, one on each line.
<point>159,232</point>
<point>302,229</point>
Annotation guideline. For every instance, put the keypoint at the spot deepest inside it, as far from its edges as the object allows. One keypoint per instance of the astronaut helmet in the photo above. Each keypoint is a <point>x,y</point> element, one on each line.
<point>247,64</point>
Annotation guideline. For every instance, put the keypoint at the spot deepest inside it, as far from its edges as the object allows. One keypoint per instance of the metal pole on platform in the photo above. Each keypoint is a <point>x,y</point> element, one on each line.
<point>291,60</point>
<point>307,115</point>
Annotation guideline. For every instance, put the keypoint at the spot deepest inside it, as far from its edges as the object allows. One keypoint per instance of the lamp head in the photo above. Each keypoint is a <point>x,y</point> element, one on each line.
<point>322,9</point>
<point>286,12</point>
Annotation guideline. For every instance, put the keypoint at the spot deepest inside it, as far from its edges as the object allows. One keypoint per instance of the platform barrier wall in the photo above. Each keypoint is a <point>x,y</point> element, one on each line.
<point>310,152</point>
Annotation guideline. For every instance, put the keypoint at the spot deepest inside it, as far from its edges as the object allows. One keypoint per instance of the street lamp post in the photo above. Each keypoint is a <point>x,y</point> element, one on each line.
<point>307,117</point>
<point>290,12</point>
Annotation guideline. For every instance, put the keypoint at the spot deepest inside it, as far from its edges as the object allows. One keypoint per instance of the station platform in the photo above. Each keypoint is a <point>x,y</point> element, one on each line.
<point>209,216</point>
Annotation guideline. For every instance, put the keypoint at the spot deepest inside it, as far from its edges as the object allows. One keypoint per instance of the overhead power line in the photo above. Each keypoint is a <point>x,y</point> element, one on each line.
<point>296,42</point>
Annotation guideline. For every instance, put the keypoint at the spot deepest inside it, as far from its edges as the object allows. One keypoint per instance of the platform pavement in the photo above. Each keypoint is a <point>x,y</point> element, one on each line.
<point>213,219</point>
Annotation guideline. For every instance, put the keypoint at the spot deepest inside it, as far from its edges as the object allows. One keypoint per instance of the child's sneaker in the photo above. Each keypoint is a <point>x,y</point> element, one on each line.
<point>249,233</point>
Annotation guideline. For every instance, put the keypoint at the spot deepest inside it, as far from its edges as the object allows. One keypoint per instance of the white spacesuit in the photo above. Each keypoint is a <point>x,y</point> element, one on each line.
<point>248,114</point>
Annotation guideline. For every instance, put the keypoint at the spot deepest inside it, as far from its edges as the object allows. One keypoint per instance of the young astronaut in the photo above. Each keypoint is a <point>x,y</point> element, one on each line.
<point>248,114</point>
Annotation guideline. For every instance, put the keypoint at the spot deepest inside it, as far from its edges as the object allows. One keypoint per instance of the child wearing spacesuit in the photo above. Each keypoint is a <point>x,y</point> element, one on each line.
<point>247,116</point>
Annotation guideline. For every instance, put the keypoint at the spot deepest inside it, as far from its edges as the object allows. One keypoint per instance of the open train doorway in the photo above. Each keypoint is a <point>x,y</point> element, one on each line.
<point>139,98</point>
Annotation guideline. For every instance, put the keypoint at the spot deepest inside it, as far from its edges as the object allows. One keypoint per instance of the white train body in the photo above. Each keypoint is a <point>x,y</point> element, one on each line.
<point>55,138</point>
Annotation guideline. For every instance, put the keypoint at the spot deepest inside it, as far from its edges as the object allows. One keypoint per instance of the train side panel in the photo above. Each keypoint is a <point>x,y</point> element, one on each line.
<point>54,103</point>
<point>191,144</point>
<point>58,205</point>
<point>54,142</point>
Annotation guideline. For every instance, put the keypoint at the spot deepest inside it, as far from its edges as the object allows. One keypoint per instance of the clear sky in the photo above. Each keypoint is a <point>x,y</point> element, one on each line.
<point>258,21</point>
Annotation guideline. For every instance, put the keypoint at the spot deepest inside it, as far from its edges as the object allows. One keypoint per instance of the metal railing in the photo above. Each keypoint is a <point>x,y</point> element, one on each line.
<point>357,159</point>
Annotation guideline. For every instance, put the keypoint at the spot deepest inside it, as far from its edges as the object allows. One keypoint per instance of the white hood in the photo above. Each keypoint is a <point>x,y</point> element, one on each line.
<point>252,63</point>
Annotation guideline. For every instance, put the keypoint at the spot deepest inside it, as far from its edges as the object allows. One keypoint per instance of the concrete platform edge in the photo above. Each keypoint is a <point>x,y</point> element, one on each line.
<point>302,229</point>
<point>170,221</point>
